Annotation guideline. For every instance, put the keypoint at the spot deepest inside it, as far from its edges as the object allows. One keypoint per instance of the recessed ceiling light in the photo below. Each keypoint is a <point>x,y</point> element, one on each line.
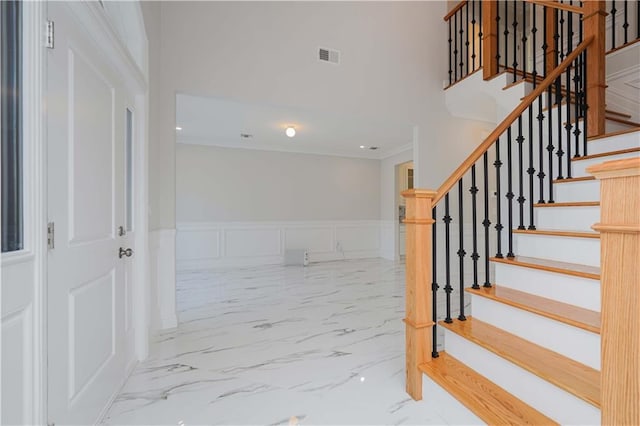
<point>290,131</point>
<point>362,147</point>
<point>178,128</point>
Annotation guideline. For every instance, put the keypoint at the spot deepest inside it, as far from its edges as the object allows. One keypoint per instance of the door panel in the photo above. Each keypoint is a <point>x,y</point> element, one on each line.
<point>91,150</point>
<point>88,345</point>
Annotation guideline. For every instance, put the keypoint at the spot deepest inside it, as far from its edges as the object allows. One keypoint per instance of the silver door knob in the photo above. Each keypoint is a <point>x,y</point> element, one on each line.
<point>128,252</point>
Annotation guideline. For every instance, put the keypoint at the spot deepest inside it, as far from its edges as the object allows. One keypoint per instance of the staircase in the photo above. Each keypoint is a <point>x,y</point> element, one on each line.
<point>530,354</point>
<point>526,311</point>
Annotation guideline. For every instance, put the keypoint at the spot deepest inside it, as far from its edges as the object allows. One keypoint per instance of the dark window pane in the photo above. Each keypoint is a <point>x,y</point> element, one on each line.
<point>11,111</point>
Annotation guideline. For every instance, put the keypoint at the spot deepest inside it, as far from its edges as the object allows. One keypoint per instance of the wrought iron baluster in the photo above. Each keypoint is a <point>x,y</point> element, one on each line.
<point>613,24</point>
<point>498,227</point>
<point>509,194</point>
<point>531,170</point>
<point>447,287</point>
<point>520,199</point>
<point>486,222</point>
<point>559,152</point>
<point>461,252</point>
<point>450,55</point>
<point>515,39</point>
<point>541,175</point>
<point>434,283</point>
<point>474,224</point>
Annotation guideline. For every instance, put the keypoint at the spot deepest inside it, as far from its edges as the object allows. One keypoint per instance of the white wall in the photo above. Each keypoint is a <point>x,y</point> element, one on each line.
<point>216,184</point>
<point>265,52</point>
<point>246,207</point>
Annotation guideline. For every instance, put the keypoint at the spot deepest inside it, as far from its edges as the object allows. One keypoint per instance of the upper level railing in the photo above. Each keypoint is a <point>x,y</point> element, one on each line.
<point>527,38</point>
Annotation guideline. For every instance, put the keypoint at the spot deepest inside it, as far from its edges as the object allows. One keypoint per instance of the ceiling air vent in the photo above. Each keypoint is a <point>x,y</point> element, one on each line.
<point>328,55</point>
<point>373,148</point>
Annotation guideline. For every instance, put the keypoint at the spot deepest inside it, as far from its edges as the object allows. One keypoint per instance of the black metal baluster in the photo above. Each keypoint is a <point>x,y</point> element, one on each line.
<point>613,24</point>
<point>506,35</point>
<point>510,193</point>
<point>577,76</point>
<point>571,98</point>
<point>550,146</point>
<point>498,227</point>
<point>447,288</point>
<point>556,39</point>
<point>473,39</point>
<point>626,22</point>
<point>498,56</point>
<point>450,69</point>
<point>515,39</point>
<point>534,31</point>
<point>461,252</point>
<point>455,46</point>
<point>559,152</point>
<point>585,105</point>
<point>480,21</point>
<point>524,39</point>
<point>434,283</point>
<point>521,199</point>
<point>466,43</point>
<point>561,45</point>
<point>544,46</point>
<point>474,219</point>
<point>541,175</point>
<point>486,222</point>
<point>531,170</point>
<point>461,32</point>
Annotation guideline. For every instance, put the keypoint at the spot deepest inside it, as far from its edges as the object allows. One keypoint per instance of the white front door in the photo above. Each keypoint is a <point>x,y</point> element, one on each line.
<point>90,339</point>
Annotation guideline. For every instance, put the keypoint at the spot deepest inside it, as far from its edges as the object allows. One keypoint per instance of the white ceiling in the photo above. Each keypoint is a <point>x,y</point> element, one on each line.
<point>219,122</point>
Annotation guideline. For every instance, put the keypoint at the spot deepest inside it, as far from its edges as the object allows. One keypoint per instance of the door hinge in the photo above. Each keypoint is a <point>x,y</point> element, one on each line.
<point>51,235</point>
<point>50,35</point>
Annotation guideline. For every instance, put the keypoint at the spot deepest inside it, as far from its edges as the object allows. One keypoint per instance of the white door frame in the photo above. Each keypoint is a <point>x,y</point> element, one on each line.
<point>35,175</point>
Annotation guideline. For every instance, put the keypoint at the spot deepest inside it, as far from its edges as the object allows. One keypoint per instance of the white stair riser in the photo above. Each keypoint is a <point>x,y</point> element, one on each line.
<point>584,251</point>
<point>580,167</point>
<point>567,340</point>
<point>582,292</point>
<point>614,143</point>
<point>567,218</point>
<point>577,191</point>
<point>538,393</point>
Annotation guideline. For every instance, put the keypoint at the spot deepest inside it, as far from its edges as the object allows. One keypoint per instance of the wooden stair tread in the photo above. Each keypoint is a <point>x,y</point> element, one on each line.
<point>622,121</point>
<point>572,376</point>
<point>616,113</point>
<point>487,400</point>
<point>558,232</point>
<point>606,154</point>
<point>575,269</point>
<point>574,179</point>
<point>570,204</point>
<point>619,132</point>
<point>569,314</point>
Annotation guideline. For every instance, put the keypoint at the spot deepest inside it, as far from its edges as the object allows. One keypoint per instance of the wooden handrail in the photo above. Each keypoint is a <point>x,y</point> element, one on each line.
<point>454,10</point>
<point>508,121</point>
<point>556,5</point>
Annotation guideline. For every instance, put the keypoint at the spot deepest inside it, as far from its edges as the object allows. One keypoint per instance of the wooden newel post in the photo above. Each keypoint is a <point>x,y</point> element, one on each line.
<point>620,290</point>
<point>594,25</point>
<point>489,39</point>
<point>418,320</point>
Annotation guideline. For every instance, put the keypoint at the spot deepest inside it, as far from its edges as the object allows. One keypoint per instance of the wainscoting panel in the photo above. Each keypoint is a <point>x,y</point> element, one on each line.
<point>208,245</point>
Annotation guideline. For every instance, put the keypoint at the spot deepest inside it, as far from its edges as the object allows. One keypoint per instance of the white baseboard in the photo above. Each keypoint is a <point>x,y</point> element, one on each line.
<point>222,244</point>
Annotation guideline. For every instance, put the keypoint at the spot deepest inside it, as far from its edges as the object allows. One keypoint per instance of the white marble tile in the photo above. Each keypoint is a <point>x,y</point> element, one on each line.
<point>323,344</point>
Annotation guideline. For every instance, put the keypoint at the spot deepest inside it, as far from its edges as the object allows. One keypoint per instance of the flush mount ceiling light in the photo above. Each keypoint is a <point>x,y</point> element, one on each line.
<point>290,131</point>
<point>178,128</point>
<point>362,147</point>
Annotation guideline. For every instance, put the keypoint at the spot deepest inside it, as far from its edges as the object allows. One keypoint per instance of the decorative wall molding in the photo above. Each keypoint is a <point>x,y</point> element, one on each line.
<point>215,244</point>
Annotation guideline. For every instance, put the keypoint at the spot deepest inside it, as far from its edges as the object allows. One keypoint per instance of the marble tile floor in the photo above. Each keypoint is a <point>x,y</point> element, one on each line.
<point>272,345</point>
